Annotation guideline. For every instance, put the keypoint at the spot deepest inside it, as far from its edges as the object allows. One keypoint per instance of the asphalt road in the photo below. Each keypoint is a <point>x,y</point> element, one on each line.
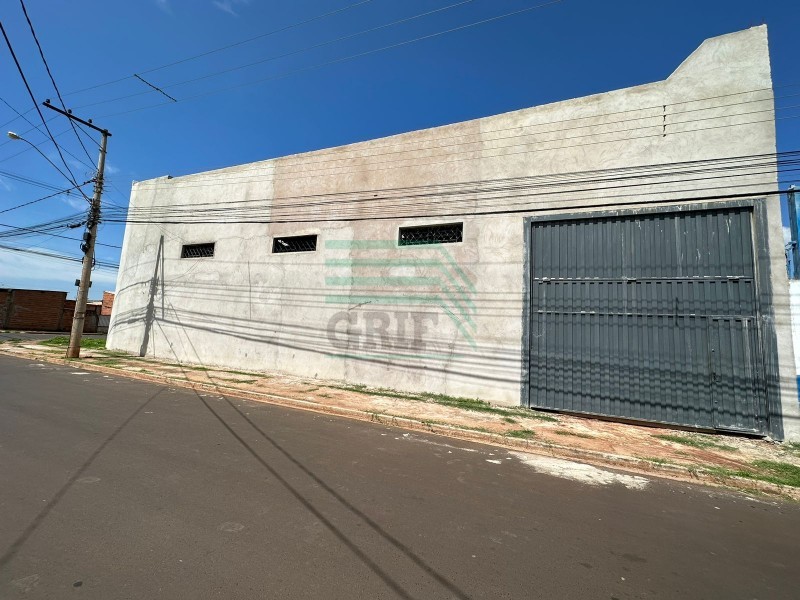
<point>114,488</point>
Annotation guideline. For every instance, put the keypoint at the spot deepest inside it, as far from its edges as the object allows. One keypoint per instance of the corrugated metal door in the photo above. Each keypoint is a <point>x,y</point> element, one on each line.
<point>649,317</point>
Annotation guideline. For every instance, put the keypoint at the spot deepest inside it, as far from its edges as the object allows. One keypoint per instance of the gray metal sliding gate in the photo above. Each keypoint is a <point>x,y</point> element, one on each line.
<point>650,317</point>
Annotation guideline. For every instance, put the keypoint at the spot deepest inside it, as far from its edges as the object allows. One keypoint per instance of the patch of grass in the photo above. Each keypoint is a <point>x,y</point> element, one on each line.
<point>107,362</point>
<point>695,442</point>
<point>359,389</point>
<point>793,447</point>
<point>467,427</point>
<point>13,340</point>
<point>770,471</point>
<point>236,380</point>
<point>250,373</point>
<point>528,413</point>
<point>86,342</point>
<point>186,366</point>
<point>472,404</point>
<point>573,434</point>
<point>524,434</point>
<point>779,472</point>
<point>656,460</point>
<point>509,420</point>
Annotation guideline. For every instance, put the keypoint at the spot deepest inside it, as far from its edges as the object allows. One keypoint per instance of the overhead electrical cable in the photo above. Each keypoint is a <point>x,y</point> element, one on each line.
<point>227,47</point>
<point>71,177</point>
<point>570,184</point>
<point>342,154</point>
<point>327,200</point>
<point>650,172</point>
<point>42,198</point>
<point>101,264</point>
<point>284,55</point>
<point>65,237</point>
<point>597,202</point>
<point>29,181</point>
<point>50,75</point>
<point>456,157</point>
<point>339,60</point>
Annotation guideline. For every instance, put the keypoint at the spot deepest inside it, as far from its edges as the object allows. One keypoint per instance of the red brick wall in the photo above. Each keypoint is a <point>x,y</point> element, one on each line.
<point>5,299</point>
<point>89,323</point>
<point>108,303</point>
<point>36,310</point>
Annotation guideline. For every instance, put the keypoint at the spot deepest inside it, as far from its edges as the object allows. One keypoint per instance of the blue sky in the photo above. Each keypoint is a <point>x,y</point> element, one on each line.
<point>565,50</point>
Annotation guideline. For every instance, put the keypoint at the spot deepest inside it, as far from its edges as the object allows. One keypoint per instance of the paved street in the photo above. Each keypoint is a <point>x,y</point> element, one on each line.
<point>115,488</point>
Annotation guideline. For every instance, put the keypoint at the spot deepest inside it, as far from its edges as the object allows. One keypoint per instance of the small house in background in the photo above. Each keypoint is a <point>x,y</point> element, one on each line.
<point>106,306</point>
<point>42,310</point>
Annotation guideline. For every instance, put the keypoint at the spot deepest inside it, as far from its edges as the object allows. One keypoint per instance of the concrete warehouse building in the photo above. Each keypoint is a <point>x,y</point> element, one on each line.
<point>619,254</point>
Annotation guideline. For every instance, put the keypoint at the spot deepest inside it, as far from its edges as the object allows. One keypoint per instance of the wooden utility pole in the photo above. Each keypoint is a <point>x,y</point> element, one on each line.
<point>78,319</point>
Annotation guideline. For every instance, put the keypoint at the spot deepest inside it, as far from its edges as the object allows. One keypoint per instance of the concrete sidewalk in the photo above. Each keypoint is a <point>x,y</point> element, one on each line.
<point>753,465</point>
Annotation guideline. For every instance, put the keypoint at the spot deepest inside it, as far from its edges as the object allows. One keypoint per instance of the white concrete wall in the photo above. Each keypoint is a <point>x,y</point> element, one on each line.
<point>247,307</point>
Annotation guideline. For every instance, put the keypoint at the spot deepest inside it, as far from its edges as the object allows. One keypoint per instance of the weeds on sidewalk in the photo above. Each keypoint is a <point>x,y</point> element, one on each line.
<point>523,434</point>
<point>88,343</point>
<point>768,470</point>
<point>472,404</point>
<point>695,442</point>
<point>585,436</point>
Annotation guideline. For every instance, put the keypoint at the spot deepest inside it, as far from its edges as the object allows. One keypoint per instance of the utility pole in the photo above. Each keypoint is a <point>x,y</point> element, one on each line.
<point>78,319</point>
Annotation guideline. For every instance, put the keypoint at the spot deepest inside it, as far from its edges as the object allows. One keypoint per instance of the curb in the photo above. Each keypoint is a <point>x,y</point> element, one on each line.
<point>533,446</point>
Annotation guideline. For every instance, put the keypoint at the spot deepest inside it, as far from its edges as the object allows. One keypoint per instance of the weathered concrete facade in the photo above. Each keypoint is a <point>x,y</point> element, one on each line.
<point>445,318</point>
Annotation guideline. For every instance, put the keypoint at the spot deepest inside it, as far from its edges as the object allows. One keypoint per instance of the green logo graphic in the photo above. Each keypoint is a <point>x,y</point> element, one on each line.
<point>394,298</point>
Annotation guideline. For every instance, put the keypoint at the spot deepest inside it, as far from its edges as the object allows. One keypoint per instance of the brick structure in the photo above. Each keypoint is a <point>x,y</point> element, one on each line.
<point>89,324</point>
<point>108,304</point>
<point>41,310</point>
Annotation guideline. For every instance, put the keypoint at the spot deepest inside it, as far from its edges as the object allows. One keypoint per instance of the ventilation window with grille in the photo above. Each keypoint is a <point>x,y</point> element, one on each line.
<point>197,250</point>
<point>431,234</point>
<point>294,243</point>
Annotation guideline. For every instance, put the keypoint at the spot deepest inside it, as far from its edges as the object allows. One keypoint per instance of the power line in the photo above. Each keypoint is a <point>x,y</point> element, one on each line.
<point>53,255</point>
<point>28,180</point>
<point>42,198</point>
<point>389,194</point>
<point>72,221</point>
<point>65,237</point>
<point>220,49</point>
<point>50,74</point>
<point>285,55</point>
<point>652,171</point>
<point>615,179</point>
<point>336,61</point>
<point>456,157</point>
<point>493,212</point>
<point>38,110</point>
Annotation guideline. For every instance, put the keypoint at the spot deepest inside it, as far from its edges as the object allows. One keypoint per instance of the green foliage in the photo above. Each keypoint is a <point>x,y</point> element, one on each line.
<point>573,434</point>
<point>86,342</point>
<point>695,442</point>
<point>472,404</point>
<point>523,434</point>
<point>768,470</point>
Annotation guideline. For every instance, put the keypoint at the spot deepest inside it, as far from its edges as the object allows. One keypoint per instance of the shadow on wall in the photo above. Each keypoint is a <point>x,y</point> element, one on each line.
<point>409,339</point>
<point>150,314</point>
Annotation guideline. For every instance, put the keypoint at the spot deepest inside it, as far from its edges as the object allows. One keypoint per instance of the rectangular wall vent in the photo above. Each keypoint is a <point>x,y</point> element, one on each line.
<point>294,243</point>
<point>197,250</point>
<point>431,234</point>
